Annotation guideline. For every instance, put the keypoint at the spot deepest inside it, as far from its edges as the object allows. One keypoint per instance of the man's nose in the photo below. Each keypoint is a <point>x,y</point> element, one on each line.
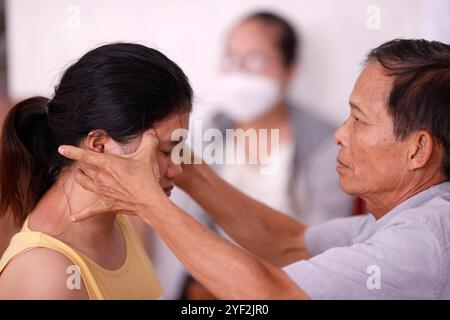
<point>341,134</point>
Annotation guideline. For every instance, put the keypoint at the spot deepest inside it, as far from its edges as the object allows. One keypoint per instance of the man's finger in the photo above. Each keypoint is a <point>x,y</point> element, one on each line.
<point>85,181</point>
<point>92,158</point>
<point>147,147</point>
<point>95,210</point>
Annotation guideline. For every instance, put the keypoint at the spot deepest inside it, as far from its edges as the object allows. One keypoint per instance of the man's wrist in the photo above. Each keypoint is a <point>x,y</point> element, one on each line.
<point>200,176</point>
<point>153,205</point>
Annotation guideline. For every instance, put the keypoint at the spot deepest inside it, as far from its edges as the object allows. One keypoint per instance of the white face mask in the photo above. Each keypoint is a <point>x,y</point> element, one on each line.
<point>244,96</point>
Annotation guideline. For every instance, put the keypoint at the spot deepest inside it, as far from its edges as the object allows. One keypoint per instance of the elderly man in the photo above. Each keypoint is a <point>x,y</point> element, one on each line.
<point>395,154</point>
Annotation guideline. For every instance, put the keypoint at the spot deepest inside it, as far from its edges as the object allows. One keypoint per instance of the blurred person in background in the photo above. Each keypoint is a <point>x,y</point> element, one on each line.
<point>258,66</point>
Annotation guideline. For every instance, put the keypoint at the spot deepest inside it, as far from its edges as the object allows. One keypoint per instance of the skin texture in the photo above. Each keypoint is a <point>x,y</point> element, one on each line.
<point>272,239</point>
<point>99,238</point>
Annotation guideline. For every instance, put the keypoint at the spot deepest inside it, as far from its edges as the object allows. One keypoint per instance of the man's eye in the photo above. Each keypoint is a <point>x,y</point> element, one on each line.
<point>356,118</point>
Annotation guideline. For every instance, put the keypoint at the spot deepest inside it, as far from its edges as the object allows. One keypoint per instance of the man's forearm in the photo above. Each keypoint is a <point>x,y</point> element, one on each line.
<point>258,228</point>
<point>226,270</point>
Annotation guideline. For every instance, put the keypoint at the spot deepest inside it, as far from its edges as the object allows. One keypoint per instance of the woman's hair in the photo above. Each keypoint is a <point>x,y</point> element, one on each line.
<point>121,88</point>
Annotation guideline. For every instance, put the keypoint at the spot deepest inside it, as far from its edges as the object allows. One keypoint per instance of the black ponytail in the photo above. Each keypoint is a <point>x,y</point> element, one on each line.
<point>27,150</point>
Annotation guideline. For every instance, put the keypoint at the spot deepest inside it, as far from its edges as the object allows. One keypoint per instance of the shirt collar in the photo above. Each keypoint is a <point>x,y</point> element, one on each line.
<point>413,202</point>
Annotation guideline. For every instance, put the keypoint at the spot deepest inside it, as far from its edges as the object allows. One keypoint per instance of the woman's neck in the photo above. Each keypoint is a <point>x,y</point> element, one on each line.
<point>99,238</point>
<point>64,198</point>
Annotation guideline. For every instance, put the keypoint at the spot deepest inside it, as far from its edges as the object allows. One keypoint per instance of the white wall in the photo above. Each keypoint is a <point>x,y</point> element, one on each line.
<point>44,36</point>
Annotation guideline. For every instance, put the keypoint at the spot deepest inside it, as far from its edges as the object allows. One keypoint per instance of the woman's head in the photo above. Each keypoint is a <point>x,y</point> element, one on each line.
<point>105,101</point>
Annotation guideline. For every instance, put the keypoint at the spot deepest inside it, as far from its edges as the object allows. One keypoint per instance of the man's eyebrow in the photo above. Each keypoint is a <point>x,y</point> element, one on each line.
<point>355,107</point>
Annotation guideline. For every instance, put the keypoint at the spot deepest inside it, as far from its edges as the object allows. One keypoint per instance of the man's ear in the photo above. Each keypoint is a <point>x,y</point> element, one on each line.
<point>421,149</point>
<point>97,141</point>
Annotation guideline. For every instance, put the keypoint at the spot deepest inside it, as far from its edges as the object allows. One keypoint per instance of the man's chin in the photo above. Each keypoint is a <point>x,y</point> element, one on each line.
<point>348,187</point>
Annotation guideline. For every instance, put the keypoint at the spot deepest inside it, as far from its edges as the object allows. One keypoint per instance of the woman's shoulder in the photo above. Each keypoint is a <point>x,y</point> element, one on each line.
<point>41,273</point>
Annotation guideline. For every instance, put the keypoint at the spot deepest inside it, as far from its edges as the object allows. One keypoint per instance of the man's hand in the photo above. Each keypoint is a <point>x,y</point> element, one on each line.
<point>111,177</point>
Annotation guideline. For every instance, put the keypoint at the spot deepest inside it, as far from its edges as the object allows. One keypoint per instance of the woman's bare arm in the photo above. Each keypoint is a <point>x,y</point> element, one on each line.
<point>40,273</point>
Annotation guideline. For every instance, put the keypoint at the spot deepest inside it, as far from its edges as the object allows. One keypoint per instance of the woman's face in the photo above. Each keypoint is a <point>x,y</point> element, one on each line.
<point>169,171</point>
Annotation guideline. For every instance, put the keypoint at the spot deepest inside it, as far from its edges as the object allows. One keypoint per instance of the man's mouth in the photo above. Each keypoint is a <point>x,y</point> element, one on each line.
<point>167,190</point>
<point>341,164</point>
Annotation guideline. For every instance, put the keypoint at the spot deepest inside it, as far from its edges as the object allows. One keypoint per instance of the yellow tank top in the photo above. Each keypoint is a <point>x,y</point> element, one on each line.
<point>135,279</point>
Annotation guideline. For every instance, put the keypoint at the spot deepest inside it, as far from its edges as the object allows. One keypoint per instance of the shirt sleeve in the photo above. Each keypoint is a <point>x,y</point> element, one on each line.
<point>389,265</point>
<point>334,233</point>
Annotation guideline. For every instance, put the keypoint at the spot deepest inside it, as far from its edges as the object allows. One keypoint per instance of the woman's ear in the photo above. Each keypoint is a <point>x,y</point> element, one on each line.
<point>97,140</point>
<point>100,141</point>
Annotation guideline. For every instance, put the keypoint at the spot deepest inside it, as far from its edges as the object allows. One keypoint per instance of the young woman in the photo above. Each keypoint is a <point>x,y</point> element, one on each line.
<point>105,102</point>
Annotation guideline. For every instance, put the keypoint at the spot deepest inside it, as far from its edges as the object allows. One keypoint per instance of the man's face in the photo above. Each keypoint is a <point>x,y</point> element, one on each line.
<point>371,160</point>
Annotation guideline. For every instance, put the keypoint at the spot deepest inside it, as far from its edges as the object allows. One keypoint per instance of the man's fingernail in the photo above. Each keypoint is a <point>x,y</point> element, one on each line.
<point>73,218</point>
<point>61,149</point>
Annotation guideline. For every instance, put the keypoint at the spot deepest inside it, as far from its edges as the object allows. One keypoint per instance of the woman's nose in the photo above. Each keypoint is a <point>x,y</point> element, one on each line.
<point>173,171</point>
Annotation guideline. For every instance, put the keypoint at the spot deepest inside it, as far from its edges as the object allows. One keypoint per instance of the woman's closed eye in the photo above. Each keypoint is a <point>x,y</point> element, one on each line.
<point>166,152</point>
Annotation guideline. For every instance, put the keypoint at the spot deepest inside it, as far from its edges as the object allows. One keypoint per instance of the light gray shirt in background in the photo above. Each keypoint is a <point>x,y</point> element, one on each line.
<point>403,255</point>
